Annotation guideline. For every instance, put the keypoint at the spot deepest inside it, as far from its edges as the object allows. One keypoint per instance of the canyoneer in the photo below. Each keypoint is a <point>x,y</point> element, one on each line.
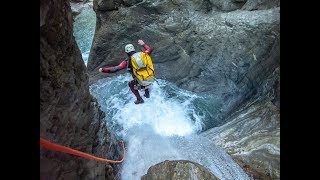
<point>140,66</point>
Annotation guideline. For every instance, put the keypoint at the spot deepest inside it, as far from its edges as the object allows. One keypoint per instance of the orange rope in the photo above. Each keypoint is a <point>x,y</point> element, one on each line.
<point>49,145</point>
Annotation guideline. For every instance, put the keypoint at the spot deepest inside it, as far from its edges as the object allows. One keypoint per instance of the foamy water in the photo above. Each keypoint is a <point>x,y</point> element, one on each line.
<point>165,127</point>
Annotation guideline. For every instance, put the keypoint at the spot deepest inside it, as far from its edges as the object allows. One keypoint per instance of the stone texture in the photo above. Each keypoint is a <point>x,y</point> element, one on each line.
<point>178,170</point>
<point>227,49</point>
<point>252,134</point>
<point>68,113</point>
<point>197,46</point>
<point>76,7</point>
<point>106,5</point>
<point>260,4</point>
<point>228,5</point>
<point>131,2</point>
<point>82,1</point>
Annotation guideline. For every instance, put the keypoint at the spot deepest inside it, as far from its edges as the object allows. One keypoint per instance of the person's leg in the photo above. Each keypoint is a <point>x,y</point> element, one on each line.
<point>135,92</point>
<point>146,92</point>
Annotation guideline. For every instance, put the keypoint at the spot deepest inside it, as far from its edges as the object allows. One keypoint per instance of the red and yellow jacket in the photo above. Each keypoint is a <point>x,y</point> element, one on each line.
<point>125,63</point>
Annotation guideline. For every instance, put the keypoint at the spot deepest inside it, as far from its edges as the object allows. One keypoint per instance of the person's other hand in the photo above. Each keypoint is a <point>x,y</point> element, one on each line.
<point>140,42</point>
<point>100,69</point>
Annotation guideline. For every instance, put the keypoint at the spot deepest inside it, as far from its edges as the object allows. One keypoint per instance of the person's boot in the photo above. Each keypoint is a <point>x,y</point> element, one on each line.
<point>139,101</point>
<point>136,93</point>
<point>146,93</point>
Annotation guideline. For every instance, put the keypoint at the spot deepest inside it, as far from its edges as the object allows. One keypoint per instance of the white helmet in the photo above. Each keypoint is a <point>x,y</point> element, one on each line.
<point>128,48</point>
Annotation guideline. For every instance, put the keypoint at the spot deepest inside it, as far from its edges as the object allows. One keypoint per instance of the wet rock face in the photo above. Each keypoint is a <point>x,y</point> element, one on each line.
<point>252,134</point>
<point>78,6</point>
<point>203,46</point>
<point>230,5</point>
<point>260,4</point>
<point>68,114</point>
<point>228,49</point>
<point>252,138</point>
<point>178,170</point>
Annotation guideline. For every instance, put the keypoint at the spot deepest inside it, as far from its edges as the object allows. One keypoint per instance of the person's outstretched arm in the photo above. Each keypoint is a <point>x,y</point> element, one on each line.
<point>147,48</point>
<point>114,69</point>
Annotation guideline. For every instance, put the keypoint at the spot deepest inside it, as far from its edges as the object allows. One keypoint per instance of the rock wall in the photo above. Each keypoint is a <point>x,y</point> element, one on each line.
<point>252,134</point>
<point>68,113</point>
<point>178,170</point>
<point>223,48</point>
<point>78,5</point>
<point>228,49</point>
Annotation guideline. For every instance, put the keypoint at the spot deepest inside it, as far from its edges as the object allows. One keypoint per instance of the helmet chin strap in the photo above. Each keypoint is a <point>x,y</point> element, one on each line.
<point>130,53</point>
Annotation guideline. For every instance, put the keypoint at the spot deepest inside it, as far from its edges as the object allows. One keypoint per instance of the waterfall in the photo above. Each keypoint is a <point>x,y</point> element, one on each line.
<point>165,127</point>
<point>83,28</point>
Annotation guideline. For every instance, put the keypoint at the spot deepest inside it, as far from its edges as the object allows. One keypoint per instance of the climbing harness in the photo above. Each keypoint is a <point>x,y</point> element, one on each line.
<point>56,147</point>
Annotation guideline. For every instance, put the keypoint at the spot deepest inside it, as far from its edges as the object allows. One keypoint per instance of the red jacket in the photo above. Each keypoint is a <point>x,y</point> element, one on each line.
<point>124,63</point>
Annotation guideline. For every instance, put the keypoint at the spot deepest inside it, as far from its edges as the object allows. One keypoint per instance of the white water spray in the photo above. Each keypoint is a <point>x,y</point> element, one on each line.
<point>165,127</point>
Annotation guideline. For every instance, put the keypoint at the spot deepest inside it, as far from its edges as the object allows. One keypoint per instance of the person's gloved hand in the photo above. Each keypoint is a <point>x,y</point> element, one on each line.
<point>140,42</point>
<point>105,70</point>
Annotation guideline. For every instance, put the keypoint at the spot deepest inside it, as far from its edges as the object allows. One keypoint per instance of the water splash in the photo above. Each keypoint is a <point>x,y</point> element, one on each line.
<point>166,115</point>
<point>165,127</point>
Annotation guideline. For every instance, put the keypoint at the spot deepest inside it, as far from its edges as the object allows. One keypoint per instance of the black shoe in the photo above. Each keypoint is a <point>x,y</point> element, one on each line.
<point>146,93</point>
<point>139,101</point>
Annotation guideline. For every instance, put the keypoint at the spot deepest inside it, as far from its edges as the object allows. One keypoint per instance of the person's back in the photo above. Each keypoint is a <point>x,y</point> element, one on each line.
<point>140,65</point>
<point>142,68</point>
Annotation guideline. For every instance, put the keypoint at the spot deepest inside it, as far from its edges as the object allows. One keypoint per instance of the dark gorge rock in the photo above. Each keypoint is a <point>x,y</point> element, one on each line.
<point>69,115</point>
<point>77,7</point>
<point>252,138</point>
<point>225,54</point>
<point>106,5</point>
<point>252,134</point>
<point>227,49</point>
<point>260,4</point>
<point>178,170</point>
<point>228,5</point>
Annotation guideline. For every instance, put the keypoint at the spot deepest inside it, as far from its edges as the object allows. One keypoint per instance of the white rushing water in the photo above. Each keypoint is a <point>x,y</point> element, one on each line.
<point>165,127</point>
<point>83,28</point>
